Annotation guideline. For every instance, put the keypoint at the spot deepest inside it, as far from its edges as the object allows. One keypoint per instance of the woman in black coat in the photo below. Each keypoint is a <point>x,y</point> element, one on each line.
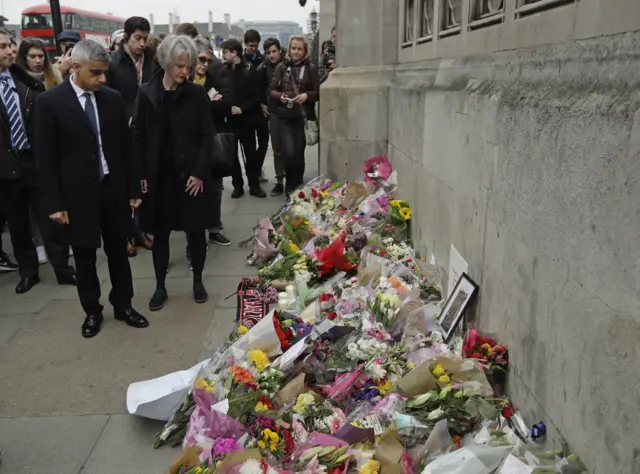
<point>173,135</point>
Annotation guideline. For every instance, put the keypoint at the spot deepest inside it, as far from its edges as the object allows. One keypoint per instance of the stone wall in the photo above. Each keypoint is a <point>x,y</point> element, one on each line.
<point>528,162</point>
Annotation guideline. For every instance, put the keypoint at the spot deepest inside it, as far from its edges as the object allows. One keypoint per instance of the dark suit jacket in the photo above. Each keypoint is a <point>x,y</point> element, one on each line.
<point>28,90</point>
<point>122,76</point>
<point>66,154</point>
<point>248,94</point>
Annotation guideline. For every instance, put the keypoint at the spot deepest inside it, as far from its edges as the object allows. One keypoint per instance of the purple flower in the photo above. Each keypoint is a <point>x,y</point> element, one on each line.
<point>266,422</point>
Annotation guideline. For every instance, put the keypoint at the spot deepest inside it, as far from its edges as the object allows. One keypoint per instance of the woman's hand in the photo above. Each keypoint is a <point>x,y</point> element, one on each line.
<point>194,186</point>
<point>283,99</point>
<point>301,99</point>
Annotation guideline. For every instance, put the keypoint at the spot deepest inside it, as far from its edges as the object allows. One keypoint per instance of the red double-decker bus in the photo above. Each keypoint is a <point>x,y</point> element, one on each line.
<point>37,22</point>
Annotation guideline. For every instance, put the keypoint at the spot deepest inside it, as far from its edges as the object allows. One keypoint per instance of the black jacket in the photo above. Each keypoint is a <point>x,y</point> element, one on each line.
<point>218,77</point>
<point>122,76</point>
<point>266,71</point>
<point>192,134</point>
<point>255,59</point>
<point>68,162</point>
<point>247,94</point>
<point>28,90</point>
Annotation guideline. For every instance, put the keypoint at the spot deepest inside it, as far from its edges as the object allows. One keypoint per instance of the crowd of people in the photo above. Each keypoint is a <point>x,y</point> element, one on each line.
<point>113,148</point>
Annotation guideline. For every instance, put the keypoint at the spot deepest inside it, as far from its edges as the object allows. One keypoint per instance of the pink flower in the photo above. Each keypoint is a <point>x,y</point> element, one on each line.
<point>338,421</point>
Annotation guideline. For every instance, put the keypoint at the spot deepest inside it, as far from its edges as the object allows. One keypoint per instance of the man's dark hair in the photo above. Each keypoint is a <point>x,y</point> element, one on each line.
<point>271,42</point>
<point>134,24</point>
<point>187,29</point>
<point>232,45</point>
<point>251,36</point>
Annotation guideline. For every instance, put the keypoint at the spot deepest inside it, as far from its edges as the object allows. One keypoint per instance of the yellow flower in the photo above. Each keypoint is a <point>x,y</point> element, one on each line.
<point>444,379</point>
<point>385,387</point>
<point>203,384</point>
<point>262,444</point>
<point>273,447</point>
<point>405,212</point>
<point>243,330</point>
<point>396,203</point>
<point>302,402</point>
<point>411,365</point>
<point>438,371</point>
<point>324,194</point>
<point>371,467</point>
<point>294,247</point>
<point>198,470</point>
<point>259,359</point>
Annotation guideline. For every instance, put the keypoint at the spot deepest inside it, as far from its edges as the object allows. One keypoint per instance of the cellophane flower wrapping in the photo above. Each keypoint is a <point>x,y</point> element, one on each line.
<point>206,424</point>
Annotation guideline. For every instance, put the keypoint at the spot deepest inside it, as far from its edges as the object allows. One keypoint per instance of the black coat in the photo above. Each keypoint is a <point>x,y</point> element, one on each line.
<point>67,161</point>
<point>122,76</point>
<point>248,94</point>
<point>28,90</point>
<point>219,78</point>
<point>192,134</point>
<point>266,71</point>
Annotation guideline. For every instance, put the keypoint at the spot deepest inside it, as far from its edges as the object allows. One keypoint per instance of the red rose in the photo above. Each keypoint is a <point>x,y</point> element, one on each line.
<point>508,411</point>
<point>314,193</point>
<point>301,195</point>
<point>332,315</point>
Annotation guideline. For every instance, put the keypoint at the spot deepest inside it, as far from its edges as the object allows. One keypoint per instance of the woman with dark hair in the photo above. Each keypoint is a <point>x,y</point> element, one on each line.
<point>173,136</point>
<point>32,58</point>
<point>295,85</point>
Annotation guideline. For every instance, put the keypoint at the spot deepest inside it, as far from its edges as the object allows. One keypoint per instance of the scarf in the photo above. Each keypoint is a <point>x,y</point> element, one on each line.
<point>37,75</point>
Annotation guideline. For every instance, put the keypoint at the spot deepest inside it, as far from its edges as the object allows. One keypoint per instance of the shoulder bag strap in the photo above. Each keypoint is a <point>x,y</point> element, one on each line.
<point>296,91</point>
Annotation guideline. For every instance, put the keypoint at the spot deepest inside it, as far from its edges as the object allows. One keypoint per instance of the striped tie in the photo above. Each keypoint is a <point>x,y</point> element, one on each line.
<point>19,139</point>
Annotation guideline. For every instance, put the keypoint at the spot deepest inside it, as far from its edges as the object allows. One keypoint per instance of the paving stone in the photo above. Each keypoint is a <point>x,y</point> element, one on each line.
<point>126,446</point>
<point>222,287</point>
<point>36,299</point>
<point>48,369</point>
<point>229,262</point>
<point>253,206</point>
<point>50,444</point>
<point>11,324</point>
<point>223,322</point>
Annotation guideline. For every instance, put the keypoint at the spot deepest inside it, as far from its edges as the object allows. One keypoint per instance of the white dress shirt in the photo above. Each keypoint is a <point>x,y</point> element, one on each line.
<point>80,93</point>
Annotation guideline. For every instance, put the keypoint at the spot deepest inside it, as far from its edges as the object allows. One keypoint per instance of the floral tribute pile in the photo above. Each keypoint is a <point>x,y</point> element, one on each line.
<point>349,374</point>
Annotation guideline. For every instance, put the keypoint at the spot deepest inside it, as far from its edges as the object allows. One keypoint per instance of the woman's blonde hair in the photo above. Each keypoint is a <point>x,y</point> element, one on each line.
<point>303,40</point>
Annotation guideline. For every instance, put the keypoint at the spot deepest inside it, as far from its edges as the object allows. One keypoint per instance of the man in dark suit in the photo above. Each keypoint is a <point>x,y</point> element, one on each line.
<point>19,186</point>
<point>90,179</point>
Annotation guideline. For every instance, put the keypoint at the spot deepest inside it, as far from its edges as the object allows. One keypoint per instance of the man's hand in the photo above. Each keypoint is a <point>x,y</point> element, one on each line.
<point>61,217</point>
<point>301,99</point>
<point>194,186</point>
<point>65,62</point>
<point>144,186</point>
<point>217,97</point>
<point>264,109</point>
<point>236,110</point>
<point>134,204</point>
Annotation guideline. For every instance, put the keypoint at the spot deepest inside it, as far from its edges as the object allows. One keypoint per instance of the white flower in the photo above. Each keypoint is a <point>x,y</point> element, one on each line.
<point>435,414</point>
<point>251,466</point>
<point>352,347</point>
<point>376,371</point>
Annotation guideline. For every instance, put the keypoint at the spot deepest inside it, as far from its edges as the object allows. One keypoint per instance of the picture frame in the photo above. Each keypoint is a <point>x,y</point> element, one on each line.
<point>455,306</point>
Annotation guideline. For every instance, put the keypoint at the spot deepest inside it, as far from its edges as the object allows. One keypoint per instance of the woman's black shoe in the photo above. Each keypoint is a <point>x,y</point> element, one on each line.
<point>158,299</point>
<point>199,293</point>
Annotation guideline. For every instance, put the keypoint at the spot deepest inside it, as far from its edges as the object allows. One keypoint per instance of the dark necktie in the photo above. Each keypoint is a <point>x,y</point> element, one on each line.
<point>19,140</point>
<point>90,111</point>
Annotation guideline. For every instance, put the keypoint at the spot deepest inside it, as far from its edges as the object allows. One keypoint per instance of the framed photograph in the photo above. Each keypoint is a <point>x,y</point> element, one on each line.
<point>457,302</point>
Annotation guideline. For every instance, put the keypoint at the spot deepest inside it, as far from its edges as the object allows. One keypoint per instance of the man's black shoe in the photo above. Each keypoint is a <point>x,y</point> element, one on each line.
<point>277,190</point>
<point>219,239</point>
<point>6,264</point>
<point>199,293</point>
<point>158,299</point>
<point>237,193</point>
<point>131,317</point>
<point>91,325</point>
<point>257,191</point>
<point>67,279</point>
<point>27,283</point>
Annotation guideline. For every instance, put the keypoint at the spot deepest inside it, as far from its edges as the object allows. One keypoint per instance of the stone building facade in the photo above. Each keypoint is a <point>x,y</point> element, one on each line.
<point>515,129</point>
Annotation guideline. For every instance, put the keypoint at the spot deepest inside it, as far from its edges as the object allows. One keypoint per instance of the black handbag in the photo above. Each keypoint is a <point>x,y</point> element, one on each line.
<point>224,154</point>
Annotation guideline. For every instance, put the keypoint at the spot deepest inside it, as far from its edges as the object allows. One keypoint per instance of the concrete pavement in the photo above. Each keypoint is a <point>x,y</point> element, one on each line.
<point>62,397</point>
